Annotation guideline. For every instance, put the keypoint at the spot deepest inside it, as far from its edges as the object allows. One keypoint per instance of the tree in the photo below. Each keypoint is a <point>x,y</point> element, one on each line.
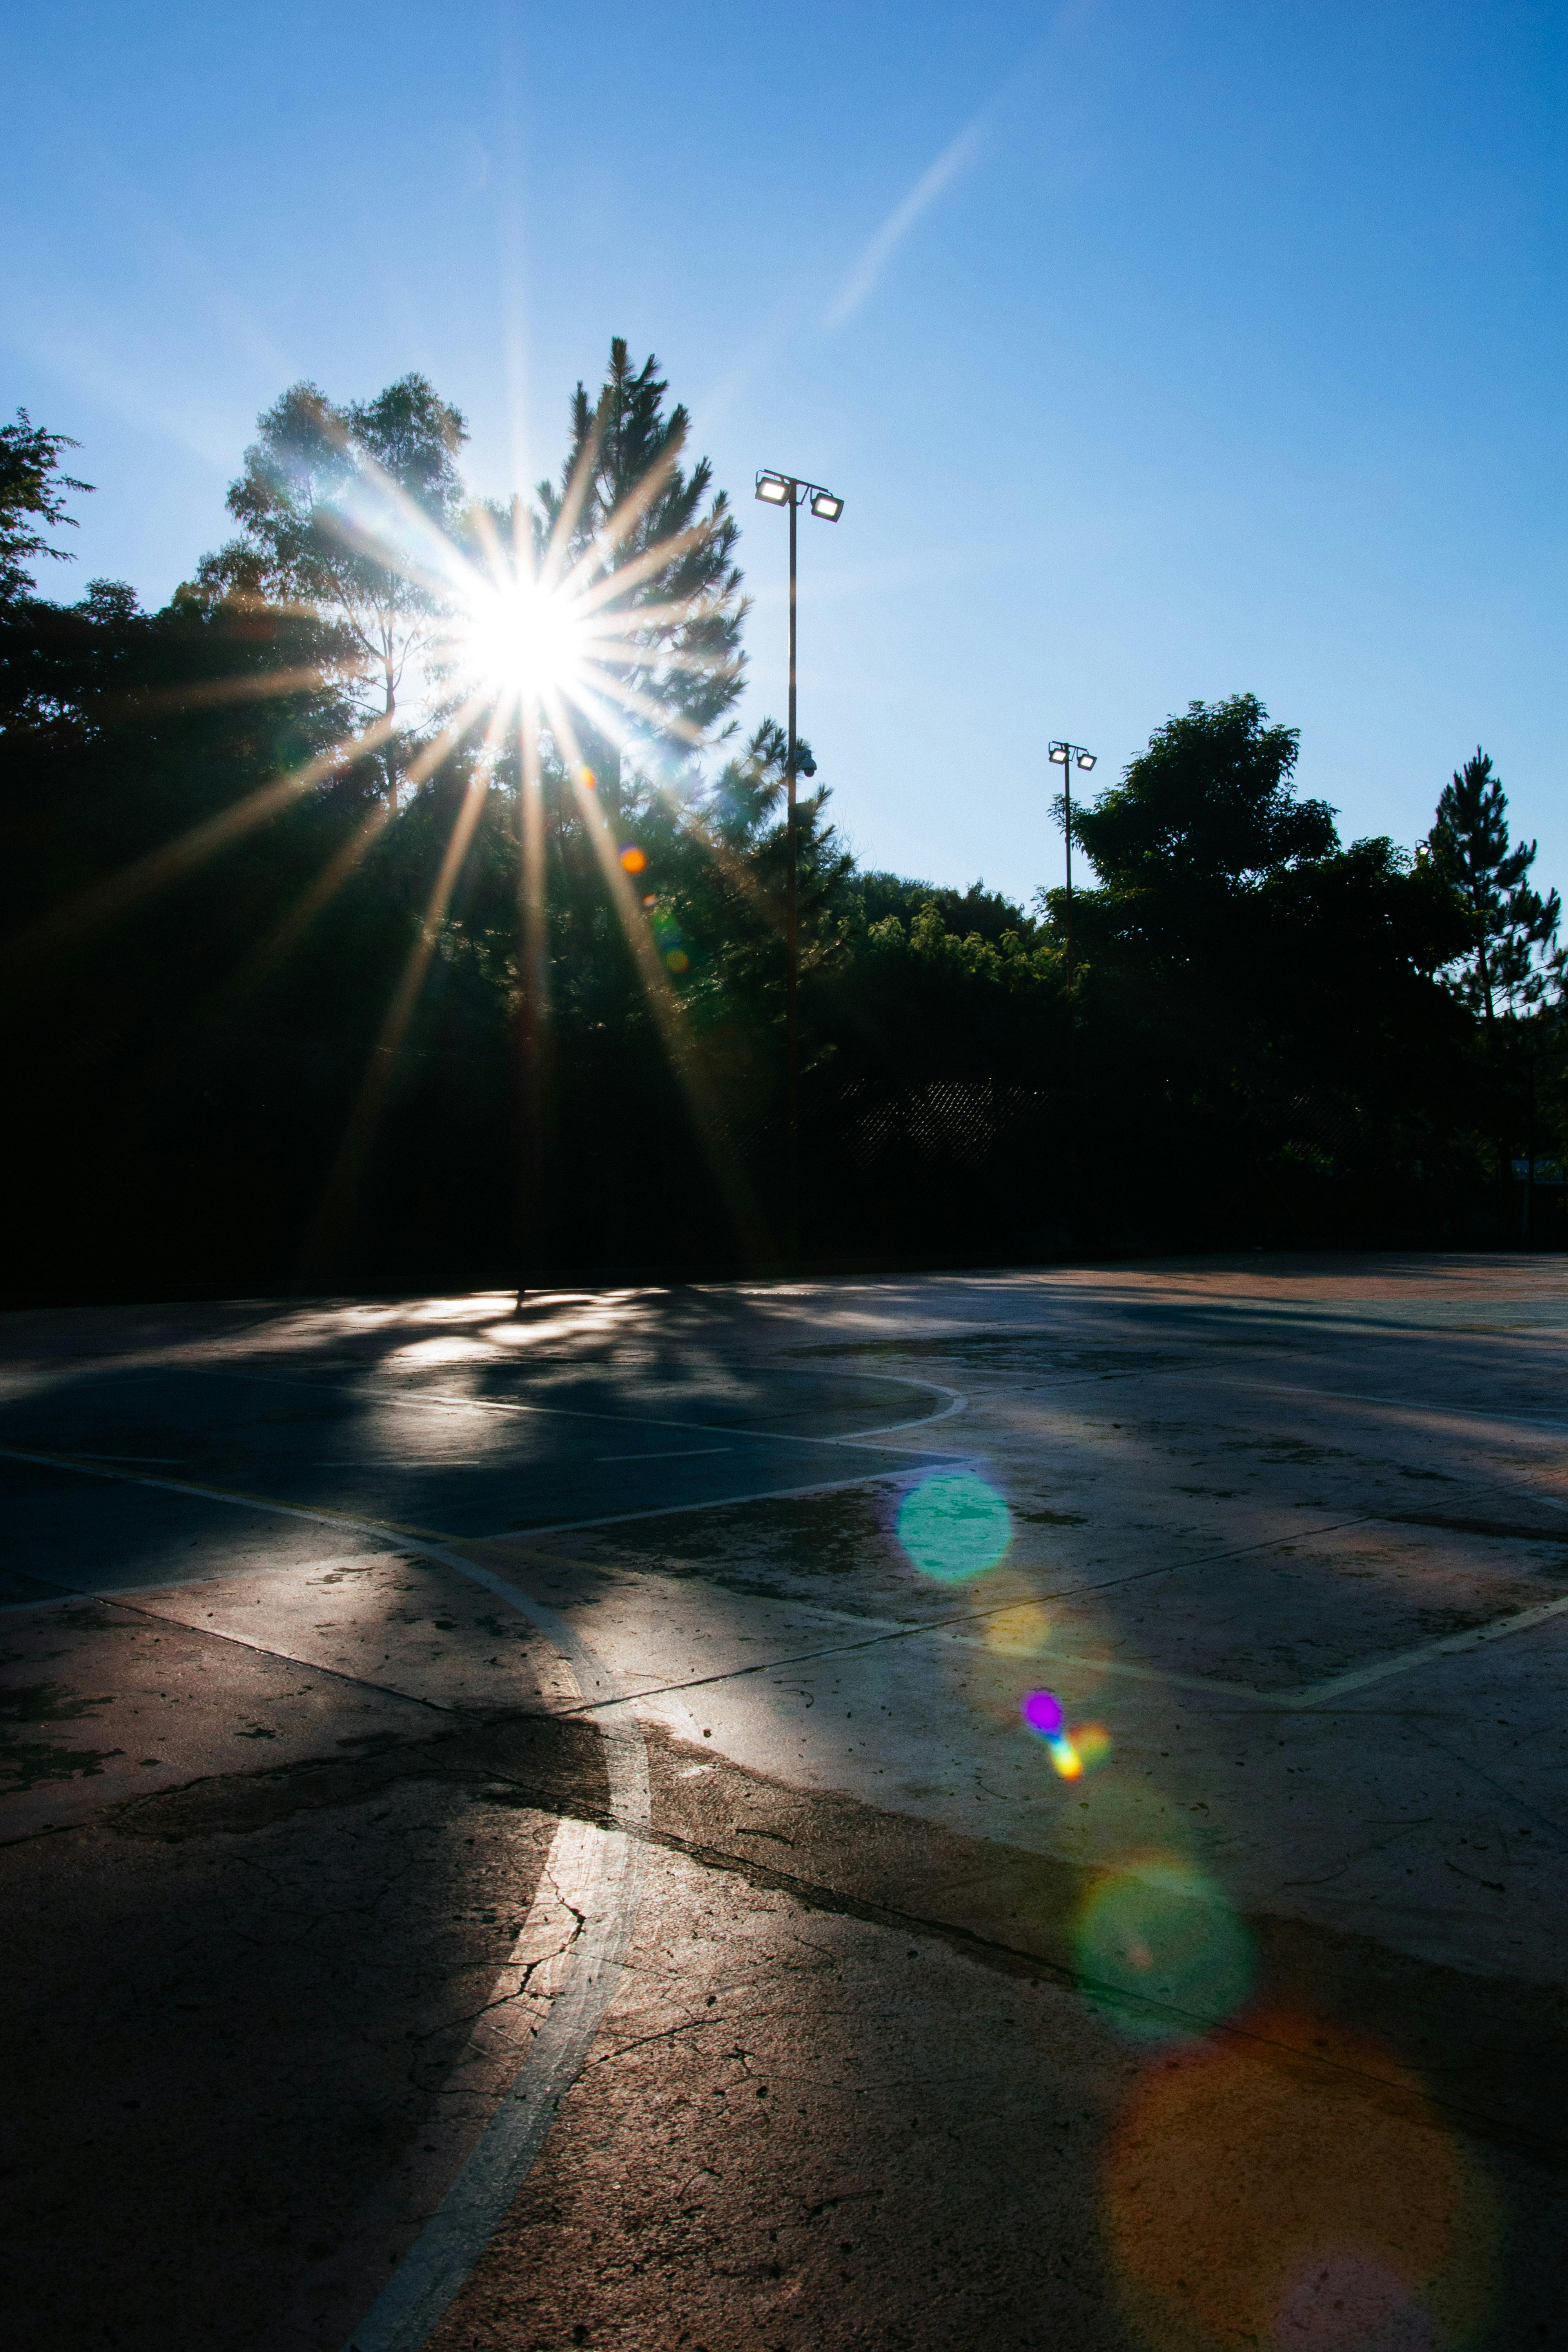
<point>1510,922</point>
<point>1263,1002</point>
<point>643,542</point>
<point>31,492</point>
<point>352,512</point>
<point>1209,811</point>
<point>975,912</point>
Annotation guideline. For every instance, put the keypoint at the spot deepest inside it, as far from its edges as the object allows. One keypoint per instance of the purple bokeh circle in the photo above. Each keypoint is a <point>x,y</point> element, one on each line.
<point>1042,1711</point>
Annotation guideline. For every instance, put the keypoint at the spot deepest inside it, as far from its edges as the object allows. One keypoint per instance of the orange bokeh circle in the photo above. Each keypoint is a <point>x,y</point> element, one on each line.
<point>1296,2189</point>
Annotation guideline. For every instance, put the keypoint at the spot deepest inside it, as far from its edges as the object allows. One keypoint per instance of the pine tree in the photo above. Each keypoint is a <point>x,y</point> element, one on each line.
<point>1470,849</point>
<point>640,536</point>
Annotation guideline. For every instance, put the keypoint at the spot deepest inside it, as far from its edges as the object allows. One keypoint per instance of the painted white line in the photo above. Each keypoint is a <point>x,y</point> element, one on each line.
<point>415,1538</point>
<point>1451,1646</point>
<point>1312,1694</point>
<point>429,2275</point>
<point>912,1469</point>
<point>318,1514</point>
<point>1404,1404</point>
<point>956,1403</point>
<point>687,1453</point>
<point>425,2282</point>
<point>873,1632</point>
<point>191,1581</point>
<point>435,1398</point>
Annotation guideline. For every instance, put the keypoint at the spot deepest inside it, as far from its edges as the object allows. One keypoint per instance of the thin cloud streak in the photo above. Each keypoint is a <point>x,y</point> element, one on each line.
<point>933,181</point>
<point>950,165</point>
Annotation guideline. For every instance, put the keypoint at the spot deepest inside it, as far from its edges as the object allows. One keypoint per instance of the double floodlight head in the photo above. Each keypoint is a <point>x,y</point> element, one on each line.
<point>1064,754</point>
<point>784,489</point>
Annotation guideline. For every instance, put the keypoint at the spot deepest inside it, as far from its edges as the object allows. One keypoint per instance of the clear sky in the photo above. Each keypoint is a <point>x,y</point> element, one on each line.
<point>1160,348</point>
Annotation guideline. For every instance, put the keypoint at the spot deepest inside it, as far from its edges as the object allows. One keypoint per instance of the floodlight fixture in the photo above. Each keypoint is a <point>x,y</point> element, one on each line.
<point>1086,759</point>
<point>824,504</point>
<point>774,489</point>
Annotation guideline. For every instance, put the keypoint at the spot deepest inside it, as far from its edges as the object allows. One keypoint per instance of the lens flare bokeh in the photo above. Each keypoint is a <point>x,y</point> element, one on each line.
<point>954,1525</point>
<point>1073,1751</point>
<point>1018,1631</point>
<point>1042,1711</point>
<point>1158,1929</point>
<point>1255,2197</point>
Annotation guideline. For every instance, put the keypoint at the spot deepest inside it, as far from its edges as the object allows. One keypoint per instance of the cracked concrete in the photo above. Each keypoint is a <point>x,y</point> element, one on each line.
<point>292,1813</point>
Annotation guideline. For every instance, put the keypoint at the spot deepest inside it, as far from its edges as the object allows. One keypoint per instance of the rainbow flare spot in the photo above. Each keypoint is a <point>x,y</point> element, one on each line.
<point>1042,1711</point>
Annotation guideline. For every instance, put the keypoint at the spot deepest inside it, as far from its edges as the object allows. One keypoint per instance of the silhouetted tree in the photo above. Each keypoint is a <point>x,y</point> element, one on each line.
<point>651,547</point>
<point>31,492</point>
<point>352,511</point>
<point>235,943</point>
<point>1511,924</point>
<point>1206,813</point>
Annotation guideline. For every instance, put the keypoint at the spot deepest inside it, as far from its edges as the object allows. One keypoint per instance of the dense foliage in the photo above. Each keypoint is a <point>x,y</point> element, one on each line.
<point>269,880</point>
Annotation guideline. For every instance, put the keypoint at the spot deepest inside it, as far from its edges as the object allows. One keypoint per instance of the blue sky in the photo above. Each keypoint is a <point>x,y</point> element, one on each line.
<point>1159,350</point>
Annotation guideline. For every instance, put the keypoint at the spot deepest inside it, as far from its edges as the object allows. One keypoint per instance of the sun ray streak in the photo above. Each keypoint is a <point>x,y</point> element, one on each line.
<point>643,705</point>
<point>577,490</point>
<point>618,527</point>
<point>628,576</point>
<point>337,1196</point>
<point>173,860</point>
<point>669,1013</point>
<point>206,694</point>
<point>285,935</point>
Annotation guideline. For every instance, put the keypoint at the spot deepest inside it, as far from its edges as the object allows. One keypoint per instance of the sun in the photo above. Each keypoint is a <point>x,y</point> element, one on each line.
<point>522,638</point>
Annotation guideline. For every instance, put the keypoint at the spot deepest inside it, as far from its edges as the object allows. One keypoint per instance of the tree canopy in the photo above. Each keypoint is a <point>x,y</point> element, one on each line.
<point>348,511</point>
<point>264,946</point>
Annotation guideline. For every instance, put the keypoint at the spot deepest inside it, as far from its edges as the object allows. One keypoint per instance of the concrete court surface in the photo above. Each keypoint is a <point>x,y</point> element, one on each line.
<point>1234,2017</point>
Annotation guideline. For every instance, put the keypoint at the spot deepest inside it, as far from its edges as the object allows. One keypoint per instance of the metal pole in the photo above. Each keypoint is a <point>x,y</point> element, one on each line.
<point>1067,788</point>
<point>533,1010</point>
<point>791,932</point>
<point>1529,1161</point>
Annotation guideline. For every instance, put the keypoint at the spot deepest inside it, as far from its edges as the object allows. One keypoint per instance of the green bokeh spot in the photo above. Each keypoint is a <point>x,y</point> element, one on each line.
<point>1166,1935</point>
<point>953,1525</point>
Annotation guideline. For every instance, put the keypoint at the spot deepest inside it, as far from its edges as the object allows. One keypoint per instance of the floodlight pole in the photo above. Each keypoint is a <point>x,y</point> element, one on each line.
<point>792,919</point>
<point>1067,798</point>
<point>1065,754</point>
<point>787,489</point>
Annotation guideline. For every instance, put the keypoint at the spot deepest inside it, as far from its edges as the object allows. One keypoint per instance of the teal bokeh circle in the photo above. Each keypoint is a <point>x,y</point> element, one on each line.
<point>954,1525</point>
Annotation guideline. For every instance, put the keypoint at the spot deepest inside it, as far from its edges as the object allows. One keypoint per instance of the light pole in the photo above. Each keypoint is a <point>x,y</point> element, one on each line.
<point>1063,755</point>
<point>787,491</point>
